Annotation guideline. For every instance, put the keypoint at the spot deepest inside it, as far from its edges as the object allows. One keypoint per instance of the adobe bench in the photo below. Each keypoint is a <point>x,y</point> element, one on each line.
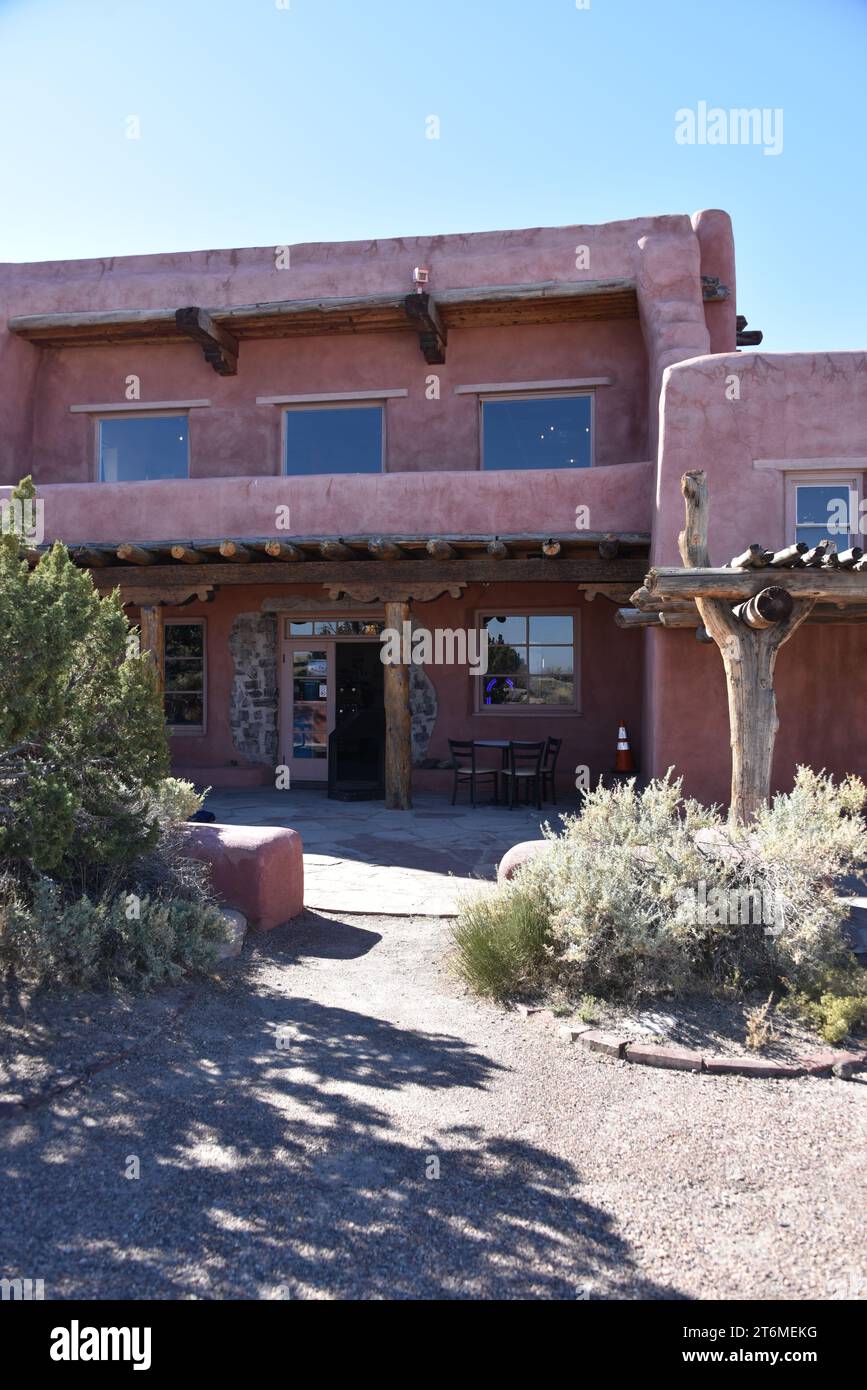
<point>258,870</point>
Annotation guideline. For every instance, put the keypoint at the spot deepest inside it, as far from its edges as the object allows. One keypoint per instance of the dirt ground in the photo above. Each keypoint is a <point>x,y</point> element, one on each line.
<point>334,1117</point>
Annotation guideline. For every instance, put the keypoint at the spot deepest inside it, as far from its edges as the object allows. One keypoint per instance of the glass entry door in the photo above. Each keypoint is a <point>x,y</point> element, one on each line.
<point>308,682</point>
<point>326,683</point>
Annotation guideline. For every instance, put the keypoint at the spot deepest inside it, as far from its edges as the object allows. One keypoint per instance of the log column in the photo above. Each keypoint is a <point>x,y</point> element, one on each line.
<point>398,720</point>
<point>749,656</point>
<point>151,636</point>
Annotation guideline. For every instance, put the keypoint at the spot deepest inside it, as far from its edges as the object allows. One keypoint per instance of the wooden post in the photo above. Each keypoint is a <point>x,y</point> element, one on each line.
<point>749,657</point>
<point>151,636</point>
<point>398,720</point>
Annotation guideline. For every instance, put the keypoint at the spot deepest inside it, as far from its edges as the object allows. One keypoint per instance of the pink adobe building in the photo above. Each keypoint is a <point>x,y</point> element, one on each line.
<point>275,452</point>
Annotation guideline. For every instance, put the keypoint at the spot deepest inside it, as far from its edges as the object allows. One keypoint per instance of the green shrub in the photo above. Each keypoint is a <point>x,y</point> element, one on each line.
<point>837,1011</point>
<point>121,941</point>
<point>95,885</point>
<point>649,891</point>
<point>588,1008</point>
<point>502,943</point>
<point>82,731</point>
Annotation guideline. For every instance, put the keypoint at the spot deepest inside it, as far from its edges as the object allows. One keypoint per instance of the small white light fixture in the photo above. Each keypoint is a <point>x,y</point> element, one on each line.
<point>421,276</point>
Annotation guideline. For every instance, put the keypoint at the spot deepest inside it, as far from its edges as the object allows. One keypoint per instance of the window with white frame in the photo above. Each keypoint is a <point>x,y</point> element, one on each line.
<point>143,448</point>
<point>536,430</point>
<point>343,438</point>
<point>531,661</point>
<point>823,506</point>
<point>185,671</point>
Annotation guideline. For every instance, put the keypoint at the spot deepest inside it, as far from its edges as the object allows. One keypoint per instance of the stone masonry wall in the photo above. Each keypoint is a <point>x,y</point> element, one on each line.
<point>253,702</point>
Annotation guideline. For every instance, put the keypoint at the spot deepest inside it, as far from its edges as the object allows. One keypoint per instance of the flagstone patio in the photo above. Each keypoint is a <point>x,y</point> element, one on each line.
<point>361,858</point>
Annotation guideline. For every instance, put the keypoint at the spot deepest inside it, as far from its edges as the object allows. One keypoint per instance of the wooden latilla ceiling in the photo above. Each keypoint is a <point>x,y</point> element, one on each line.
<point>219,331</point>
<point>585,557</point>
<point>835,580</point>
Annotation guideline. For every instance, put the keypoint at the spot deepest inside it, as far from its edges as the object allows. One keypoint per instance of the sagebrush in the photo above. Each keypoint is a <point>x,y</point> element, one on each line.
<point>650,891</point>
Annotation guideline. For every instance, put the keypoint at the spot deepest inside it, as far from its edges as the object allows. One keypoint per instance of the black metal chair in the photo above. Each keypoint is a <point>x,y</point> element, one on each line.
<point>549,766</point>
<point>463,753</point>
<point>525,766</point>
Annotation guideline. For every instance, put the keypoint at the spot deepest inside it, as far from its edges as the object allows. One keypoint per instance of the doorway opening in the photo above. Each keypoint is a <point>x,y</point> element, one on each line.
<point>356,745</point>
<point>332,705</point>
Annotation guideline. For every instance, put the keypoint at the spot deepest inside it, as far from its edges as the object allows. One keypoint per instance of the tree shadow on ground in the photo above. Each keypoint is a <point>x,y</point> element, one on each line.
<point>291,1149</point>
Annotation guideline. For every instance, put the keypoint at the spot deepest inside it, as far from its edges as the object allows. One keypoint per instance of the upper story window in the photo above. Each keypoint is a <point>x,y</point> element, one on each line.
<point>823,506</point>
<point>531,661</point>
<point>538,431</point>
<point>139,448</point>
<point>334,439</point>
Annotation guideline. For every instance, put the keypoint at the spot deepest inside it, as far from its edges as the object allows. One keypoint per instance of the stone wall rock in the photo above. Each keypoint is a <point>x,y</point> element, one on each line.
<point>253,702</point>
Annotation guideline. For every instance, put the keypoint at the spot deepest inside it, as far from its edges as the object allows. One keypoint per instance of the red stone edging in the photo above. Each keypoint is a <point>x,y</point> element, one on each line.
<point>620,1045</point>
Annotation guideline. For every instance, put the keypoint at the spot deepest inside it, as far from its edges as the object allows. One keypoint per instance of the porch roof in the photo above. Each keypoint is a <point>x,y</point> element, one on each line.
<point>591,557</point>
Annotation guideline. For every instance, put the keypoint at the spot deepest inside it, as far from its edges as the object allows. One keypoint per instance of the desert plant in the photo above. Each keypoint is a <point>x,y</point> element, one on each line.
<point>502,943</point>
<point>174,801</point>
<point>797,852</point>
<point>114,941</point>
<point>648,890</point>
<point>760,1031</point>
<point>588,1008</point>
<point>836,1008</point>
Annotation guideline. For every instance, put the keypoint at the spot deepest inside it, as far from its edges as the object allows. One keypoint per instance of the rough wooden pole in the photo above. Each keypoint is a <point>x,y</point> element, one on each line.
<point>151,636</point>
<point>749,657</point>
<point>398,721</point>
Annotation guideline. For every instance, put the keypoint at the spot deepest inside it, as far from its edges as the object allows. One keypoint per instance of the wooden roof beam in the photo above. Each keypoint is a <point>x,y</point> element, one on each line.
<point>441,549</point>
<point>570,569</point>
<point>219,346</point>
<point>423,314</point>
<point>187,555</point>
<point>89,557</point>
<point>336,550</point>
<point>235,552</point>
<point>384,549</point>
<point>498,549</point>
<point>135,554</point>
<point>831,585</point>
<point>283,550</point>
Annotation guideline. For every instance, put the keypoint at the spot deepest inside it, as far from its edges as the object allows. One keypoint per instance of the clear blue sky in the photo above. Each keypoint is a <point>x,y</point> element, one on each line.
<point>263,125</point>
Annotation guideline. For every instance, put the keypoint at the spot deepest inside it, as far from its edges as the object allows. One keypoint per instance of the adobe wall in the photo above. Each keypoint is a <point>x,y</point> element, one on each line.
<point>790,406</point>
<point>234,437</point>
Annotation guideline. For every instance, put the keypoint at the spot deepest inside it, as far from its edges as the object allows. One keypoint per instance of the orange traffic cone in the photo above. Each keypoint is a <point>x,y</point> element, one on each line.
<point>624,761</point>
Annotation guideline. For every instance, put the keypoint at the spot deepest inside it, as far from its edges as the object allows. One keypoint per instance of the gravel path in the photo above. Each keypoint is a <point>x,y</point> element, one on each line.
<point>291,1118</point>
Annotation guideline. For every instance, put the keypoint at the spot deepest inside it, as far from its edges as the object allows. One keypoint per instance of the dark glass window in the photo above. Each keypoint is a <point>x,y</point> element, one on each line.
<point>138,449</point>
<point>537,432</point>
<point>531,660</point>
<point>825,511</point>
<point>184,647</point>
<point>334,440</point>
